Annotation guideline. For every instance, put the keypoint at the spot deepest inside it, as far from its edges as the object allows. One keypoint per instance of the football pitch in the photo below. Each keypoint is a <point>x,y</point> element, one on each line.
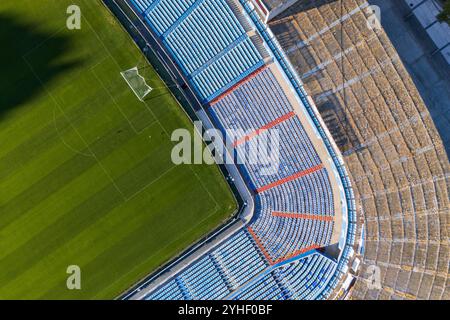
<point>86,176</point>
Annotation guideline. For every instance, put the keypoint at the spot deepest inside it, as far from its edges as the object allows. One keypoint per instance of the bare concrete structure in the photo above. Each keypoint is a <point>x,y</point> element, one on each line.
<point>397,161</point>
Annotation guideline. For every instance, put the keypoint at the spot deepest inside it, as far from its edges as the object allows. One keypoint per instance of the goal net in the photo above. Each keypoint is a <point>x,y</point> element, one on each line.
<point>137,83</point>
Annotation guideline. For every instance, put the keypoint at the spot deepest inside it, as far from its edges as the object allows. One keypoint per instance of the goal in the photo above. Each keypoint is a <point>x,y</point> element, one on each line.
<point>137,83</point>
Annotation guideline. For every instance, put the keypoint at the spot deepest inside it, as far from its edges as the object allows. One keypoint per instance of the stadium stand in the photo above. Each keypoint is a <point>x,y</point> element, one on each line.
<point>218,273</point>
<point>222,59</point>
<point>302,279</point>
<point>278,254</point>
<point>395,156</point>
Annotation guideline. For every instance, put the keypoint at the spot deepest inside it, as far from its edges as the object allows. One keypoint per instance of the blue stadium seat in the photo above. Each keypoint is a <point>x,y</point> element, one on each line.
<point>207,41</point>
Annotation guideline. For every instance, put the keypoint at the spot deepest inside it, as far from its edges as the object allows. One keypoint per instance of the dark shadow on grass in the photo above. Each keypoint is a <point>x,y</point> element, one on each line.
<point>302,6</point>
<point>29,60</point>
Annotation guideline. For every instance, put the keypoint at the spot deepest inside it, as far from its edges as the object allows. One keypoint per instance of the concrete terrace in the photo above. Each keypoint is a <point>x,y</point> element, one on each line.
<point>396,158</point>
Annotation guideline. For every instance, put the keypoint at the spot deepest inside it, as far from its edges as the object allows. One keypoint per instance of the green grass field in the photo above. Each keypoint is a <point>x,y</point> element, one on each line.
<point>85,172</point>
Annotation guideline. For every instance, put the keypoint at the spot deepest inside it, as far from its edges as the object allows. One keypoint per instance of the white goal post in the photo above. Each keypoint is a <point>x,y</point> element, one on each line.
<point>137,83</point>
